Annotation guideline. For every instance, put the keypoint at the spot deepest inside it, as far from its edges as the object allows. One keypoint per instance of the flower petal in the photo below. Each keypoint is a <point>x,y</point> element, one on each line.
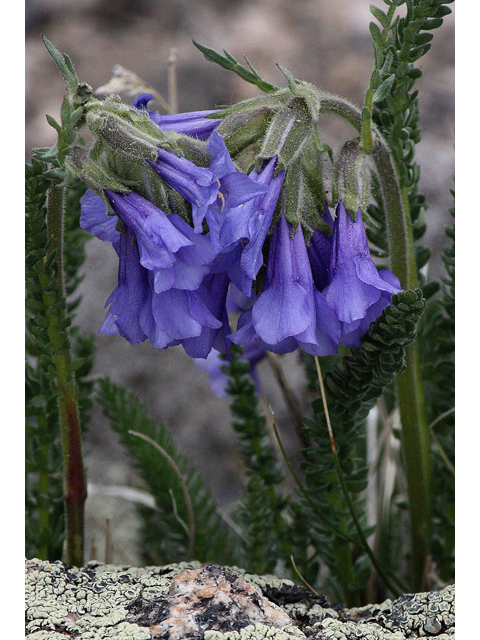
<point>130,295</point>
<point>158,239</point>
<point>94,219</point>
<point>194,123</point>
<point>286,306</point>
<point>348,294</point>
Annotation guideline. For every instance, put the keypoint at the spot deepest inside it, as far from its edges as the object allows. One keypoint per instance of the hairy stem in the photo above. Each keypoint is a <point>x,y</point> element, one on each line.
<point>410,390</point>
<point>74,485</point>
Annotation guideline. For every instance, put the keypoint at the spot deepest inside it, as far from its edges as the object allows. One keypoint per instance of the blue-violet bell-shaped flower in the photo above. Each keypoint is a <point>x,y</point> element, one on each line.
<point>130,295</point>
<point>356,290</point>
<point>161,293</point>
<point>289,313</point>
<point>133,291</point>
<point>245,228</point>
<point>168,246</point>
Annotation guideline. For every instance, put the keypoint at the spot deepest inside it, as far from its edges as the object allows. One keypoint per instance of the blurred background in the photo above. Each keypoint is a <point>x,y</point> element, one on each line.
<point>325,42</point>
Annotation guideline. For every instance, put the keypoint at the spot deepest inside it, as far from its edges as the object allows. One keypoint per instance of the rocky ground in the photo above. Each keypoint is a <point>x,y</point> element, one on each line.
<point>190,601</point>
<point>323,41</point>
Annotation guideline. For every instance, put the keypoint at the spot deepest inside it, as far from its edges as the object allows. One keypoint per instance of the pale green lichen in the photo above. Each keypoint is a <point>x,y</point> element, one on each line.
<point>89,603</point>
<point>314,613</point>
<point>92,603</point>
<point>331,628</point>
<point>257,631</point>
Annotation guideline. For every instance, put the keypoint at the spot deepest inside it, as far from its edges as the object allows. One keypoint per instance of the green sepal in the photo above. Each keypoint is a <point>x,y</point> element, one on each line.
<point>346,178</point>
<point>96,175</point>
<point>293,195</point>
<point>305,90</point>
<point>242,129</point>
<point>123,138</point>
<point>287,134</point>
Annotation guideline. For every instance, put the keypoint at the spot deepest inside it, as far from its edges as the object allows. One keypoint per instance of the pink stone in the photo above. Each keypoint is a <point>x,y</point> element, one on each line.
<point>213,598</point>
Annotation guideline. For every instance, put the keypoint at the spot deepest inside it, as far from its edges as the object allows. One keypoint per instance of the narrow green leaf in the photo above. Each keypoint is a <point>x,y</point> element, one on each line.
<point>64,65</point>
<point>380,16</point>
<point>430,289</point>
<point>376,34</point>
<point>423,38</point>
<point>442,11</point>
<point>434,23</point>
<point>418,52</point>
<point>384,89</point>
<point>388,63</point>
<point>53,123</point>
<point>74,366</point>
<point>65,111</point>
<point>228,62</point>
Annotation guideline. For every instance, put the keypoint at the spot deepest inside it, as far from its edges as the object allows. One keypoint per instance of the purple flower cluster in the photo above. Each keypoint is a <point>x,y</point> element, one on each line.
<point>173,279</point>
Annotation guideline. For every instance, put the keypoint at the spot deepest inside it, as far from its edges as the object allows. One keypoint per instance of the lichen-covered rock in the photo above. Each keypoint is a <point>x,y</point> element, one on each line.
<point>415,615</point>
<point>207,599</point>
<point>193,601</point>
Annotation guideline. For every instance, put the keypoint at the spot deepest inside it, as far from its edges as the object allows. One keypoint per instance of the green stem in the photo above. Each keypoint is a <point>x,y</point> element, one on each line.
<point>367,140</point>
<point>346,575</point>
<point>416,445</point>
<point>74,484</point>
<point>410,391</point>
<point>43,490</point>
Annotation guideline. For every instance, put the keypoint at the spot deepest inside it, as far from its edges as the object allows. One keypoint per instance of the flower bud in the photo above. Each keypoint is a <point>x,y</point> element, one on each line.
<point>243,130</point>
<point>288,133</point>
<point>93,173</point>
<point>346,184</point>
<point>124,137</point>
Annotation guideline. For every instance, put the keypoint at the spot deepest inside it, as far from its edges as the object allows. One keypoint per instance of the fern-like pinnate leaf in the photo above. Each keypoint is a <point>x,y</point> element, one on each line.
<point>395,108</point>
<point>437,353</point>
<point>352,388</point>
<point>266,539</point>
<point>165,535</point>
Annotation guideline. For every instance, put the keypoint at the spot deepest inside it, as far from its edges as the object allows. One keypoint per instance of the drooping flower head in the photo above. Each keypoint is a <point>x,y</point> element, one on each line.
<point>237,170</point>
